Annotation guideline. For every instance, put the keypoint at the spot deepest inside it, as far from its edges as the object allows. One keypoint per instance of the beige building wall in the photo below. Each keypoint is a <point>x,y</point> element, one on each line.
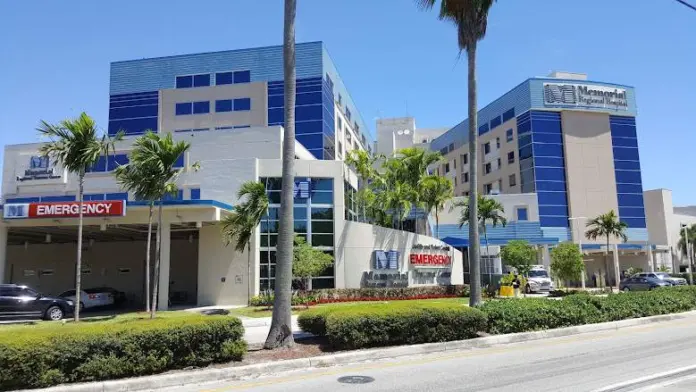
<point>499,175</point>
<point>658,214</point>
<point>589,161</point>
<point>257,116</point>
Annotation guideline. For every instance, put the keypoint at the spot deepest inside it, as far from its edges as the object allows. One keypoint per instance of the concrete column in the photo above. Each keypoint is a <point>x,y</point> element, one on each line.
<point>617,268</point>
<point>3,252</point>
<point>163,295</point>
<point>651,259</point>
<point>546,258</point>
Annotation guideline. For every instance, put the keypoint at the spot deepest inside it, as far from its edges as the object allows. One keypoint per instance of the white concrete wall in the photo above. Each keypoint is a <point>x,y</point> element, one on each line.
<point>359,241</point>
<point>391,136</point>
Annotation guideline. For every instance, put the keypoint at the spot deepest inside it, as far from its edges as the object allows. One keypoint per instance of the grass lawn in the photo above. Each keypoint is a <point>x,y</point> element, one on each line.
<point>262,311</point>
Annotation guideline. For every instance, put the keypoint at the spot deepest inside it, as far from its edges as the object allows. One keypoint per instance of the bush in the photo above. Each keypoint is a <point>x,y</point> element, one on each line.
<point>521,315</point>
<point>359,326</point>
<point>47,354</point>
<point>366,294</point>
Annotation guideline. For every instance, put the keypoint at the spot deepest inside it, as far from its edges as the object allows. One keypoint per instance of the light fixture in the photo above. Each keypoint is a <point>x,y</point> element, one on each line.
<point>48,238</point>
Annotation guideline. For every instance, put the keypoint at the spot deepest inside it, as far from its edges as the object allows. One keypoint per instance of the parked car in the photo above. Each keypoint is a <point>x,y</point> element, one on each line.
<point>97,297</point>
<point>663,276</point>
<point>17,301</point>
<point>642,283</point>
<point>538,280</point>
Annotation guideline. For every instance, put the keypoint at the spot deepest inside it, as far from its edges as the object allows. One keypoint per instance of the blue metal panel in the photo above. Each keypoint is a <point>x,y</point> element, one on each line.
<point>264,64</point>
<point>57,198</point>
<point>627,171</point>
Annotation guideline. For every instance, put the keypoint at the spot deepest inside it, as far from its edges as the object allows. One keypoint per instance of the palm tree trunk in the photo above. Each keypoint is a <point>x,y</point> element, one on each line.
<point>474,254</point>
<point>78,265</point>
<point>147,258</point>
<point>248,273</point>
<point>280,333</point>
<point>488,252</point>
<point>158,254</point>
<point>606,264</point>
<point>437,225</point>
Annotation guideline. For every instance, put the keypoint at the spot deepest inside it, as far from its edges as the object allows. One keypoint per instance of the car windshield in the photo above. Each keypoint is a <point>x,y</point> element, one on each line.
<point>29,292</point>
<point>538,274</point>
<point>662,275</point>
<point>68,293</point>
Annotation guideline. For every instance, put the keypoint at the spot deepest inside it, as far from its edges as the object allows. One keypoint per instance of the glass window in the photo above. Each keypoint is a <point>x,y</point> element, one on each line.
<point>628,177</point>
<point>447,169</point>
<point>487,147</point>
<point>201,80</point>
<point>322,184</point>
<point>223,78</point>
<point>269,226</point>
<point>273,212</point>
<point>300,226</point>
<point>550,174</point>
<point>195,193</point>
<point>553,210</point>
<point>201,107</point>
<point>322,198</point>
<point>242,76</point>
<point>495,122</point>
<point>509,114</point>
<point>179,162</point>
<point>483,129</point>
<point>322,240</point>
<point>274,197</point>
<point>553,198</point>
<point>274,184</point>
<point>508,135</point>
<point>500,164</point>
<point>511,157</point>
<point>512,180</point>
<point>184,108</point>
<point>348,115</point>
<point>522,214</point>
<point>450,148</point>
<point>272,239</point>
<point>324,213</point>
<point>497,143</point>
<point>323,283</point>
<point>465,178</point>
<point>454,164</point>
<point>548,150</point>
<point>242,104</point>
<point>223,105</point>
<point>184,81</point>
<point>465,159</point>
<point>487,188</point>
<point>630,200</point>
<point>322,227</point>
<point>487,168</point>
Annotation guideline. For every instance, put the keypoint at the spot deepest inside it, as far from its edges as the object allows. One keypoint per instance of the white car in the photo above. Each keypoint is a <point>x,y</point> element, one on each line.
<point>538,281</point>
<point>90,298</point>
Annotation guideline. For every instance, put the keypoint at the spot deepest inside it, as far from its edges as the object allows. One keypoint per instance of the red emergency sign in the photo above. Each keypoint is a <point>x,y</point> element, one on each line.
<point>68,209</point>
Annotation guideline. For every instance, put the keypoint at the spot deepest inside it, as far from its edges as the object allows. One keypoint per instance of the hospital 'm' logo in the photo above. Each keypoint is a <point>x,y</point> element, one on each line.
<point>560,93</point>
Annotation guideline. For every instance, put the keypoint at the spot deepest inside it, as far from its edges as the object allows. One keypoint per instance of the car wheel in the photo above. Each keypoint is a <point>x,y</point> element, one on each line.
<point>527,289</point>
<point>54,313</point>
<point>626,289</point>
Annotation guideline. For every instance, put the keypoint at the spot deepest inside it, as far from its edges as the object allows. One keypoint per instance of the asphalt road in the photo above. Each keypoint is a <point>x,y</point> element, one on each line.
<point>587,362</point>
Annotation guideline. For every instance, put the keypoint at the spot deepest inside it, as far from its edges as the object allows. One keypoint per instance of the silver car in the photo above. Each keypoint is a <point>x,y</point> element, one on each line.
<point>663,276</point>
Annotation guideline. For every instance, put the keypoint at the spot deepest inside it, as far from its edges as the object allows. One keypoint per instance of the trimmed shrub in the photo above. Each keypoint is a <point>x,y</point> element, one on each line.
<point>359,326</point>
<point>43,355</point>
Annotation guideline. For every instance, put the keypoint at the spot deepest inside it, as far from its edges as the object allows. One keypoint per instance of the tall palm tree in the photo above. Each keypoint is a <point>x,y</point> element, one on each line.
<point>280,333</point>
<point>607,225</point>
<point>471,20</point>
<point>686,245</point>
<point>364,165</point>
<point>75,145</point>
<point>239,226</point>
<point>436,191</point>
<point>489,210</point>
<point>154,157</point>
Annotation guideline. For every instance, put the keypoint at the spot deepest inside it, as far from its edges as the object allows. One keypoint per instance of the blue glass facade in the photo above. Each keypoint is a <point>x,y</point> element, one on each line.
<point>133,114</point>
<point>629,185</point>
<point>542,164</point>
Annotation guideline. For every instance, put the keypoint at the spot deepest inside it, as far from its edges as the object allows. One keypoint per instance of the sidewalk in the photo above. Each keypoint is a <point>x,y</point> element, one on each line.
<point>256,330</point>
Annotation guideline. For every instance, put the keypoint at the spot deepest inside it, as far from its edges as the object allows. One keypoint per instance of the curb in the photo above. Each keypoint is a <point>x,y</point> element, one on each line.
<point>231,373</point>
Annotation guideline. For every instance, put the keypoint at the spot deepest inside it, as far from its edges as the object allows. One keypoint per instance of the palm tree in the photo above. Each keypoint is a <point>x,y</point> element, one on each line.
<point>489,210</point>
<point>154,157</point>
<point>75,145</point>
<point>239,226</point>
<point>607,225</point>
<point>471,19</point>
<point>436,191</point>
<point>280,333</point>
<point>364,165</point>
<point>686,245</point>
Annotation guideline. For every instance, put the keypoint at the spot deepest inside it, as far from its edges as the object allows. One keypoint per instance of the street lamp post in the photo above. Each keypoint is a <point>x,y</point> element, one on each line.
<point>579,242</point>
<point>688,254</point>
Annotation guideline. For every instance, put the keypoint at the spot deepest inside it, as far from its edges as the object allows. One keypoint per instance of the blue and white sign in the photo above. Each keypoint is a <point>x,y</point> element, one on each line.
<point>386,260</point>
<point>301,189</point>
<point>15,211</point>
<point>39,169</point>
<point>571,94</point>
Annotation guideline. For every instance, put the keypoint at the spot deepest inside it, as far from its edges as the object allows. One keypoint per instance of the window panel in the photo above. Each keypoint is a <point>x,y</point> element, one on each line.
<point>555,186</point>
<point>522,214</point>
<point>133,127</point>
<point>322,227</point>
<point>553,210</point>
<point>545,126</point>
<point>495,122</point>
<point>223,105</point>
<point>308,99</point>
<point>626,165</point>
<point>524,140</point>
<point>549,162</point>
<point>269,239</point>
<point>300,226</point>
<point>133,112</point>
<point>635,222</point>
<point>276,101</point>
<point>184,108</point>
<point>322,240</point>
<point>552,198</point>
<point>323,213</point>
<point>322,184</point>
<point>631,212</point>
<point>512,180</point>
<point>553,138</point>
<point>201,80</point>
<point>134,102</point>
<point>526,152</point>
<point>300,213</point>
<point>201,107</point>
<point>553,221</point>
<point>626,154</point>
<point>222,78</point>
<point>322,198</point>
<point>511,157</point>
<point>276,116</point>
<point>269,226</point>
<point>549,174</point>
<point>509,136</point>
<point>483,129</point>
<point>509,114</point>
<point>548,150</point>
<point>323,283</point>
<point>628,177</point>
<point>195,193</point>
<point>623,130</point>
<point>486,147</point>
<point>242,76</point>
<point>242,104</point>
<point>629,188</point>
<point>624,142</point>
<point>272,211</point>
<point>312,141</point>
<point>184,81</point>
<point>630,200</point>
<point>274,197</point>
<point>116,196</point>
<point>179,162</point>
<point>308,112</point>
<point>116,160</point>
<point>99,166</point>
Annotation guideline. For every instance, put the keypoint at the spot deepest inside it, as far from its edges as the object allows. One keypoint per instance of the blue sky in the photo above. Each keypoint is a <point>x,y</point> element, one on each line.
<point>395,59</point>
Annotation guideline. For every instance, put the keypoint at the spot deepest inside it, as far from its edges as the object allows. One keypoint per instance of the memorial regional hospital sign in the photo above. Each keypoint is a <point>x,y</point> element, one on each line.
<point>584,95</point>
<point>68,209</point>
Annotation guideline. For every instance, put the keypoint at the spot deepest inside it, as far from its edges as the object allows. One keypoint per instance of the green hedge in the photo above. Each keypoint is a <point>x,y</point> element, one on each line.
<point>521,315</point>
<point>369,325</point>
<point>48,354</point>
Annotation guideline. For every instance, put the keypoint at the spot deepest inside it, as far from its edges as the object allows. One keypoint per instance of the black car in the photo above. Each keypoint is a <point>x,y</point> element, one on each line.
<point>641,283</point>
<point>17,301</point>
